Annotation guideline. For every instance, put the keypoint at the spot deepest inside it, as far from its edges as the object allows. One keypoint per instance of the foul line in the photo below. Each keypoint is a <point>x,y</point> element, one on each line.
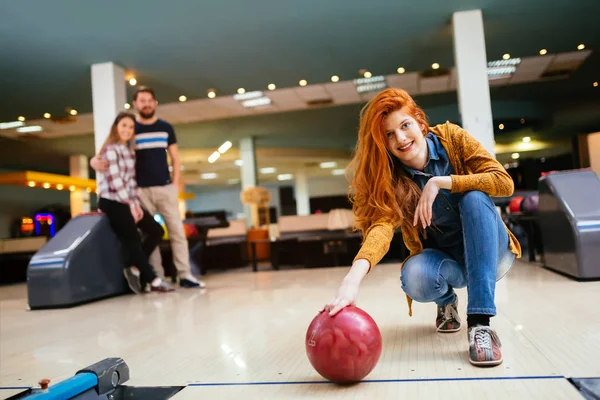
<point>15,387</point>
<point>498,378</point>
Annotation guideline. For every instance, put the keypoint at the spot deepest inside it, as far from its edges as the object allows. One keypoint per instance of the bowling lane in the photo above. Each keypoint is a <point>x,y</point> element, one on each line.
<point>534,389</point>
<point>250,328</point>
<point>8,393</point>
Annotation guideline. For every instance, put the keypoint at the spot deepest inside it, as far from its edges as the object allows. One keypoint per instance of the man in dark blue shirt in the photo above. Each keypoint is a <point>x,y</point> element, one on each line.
<point>158,190</point>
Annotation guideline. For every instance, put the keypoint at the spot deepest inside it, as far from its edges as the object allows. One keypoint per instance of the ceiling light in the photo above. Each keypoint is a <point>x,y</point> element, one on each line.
<point>337,172</point>
<point>504,63</point>
<point>401,70</point>
<point>133,81</point>
<point>506,56</point>
<point>328,164</point>
<point>59,187</point>
<point>271,86</point>
<point>581,46</point>
<point>208,175</point>
<point>501,126</point>
<point>303,82</point>
<point>214,157</point>
<point>241,90</point>
<point>21,119</point>
<point>73,112</point>
<point>526,139</point>
<point>595,84</point>
<point>375,83</point>
<point>263,101</point>
<point>435,66</point>
<point>182,98</point>
<point>11,125</point>
<point>335,78</point>
<point>46,186</point>
<point>239,163</point>
<point>515,156</point>
<point>31,184</point>
<point>212,94</point>
<point>47,115</point>
<point>285,177</point>
<point>500,72</point>
<point>225,146</point>
<point>268,170</point>
<point>127,106</point>
<point>253,99</point>
<point>89,190</point>
<point>32,128</point>
<point>246,96</point>
<point>367,74</point>
<point>72,188</point>
<point>543,52</point>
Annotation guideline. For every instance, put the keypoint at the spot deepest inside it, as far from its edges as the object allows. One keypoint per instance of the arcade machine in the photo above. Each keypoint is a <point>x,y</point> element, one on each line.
<point>569,217</point>
<point>28,235</point>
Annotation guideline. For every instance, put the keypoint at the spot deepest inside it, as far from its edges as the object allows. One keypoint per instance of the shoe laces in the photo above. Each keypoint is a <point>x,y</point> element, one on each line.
<point>449,313</point>
<point>483,336</point>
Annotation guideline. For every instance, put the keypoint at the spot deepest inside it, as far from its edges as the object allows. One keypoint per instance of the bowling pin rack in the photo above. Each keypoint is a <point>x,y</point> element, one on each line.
<point>101,381</point>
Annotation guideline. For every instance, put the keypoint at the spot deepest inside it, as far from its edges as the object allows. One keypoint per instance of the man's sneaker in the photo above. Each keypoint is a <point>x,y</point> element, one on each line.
<point>163,287</point>
<point>133,280</point>
<point>191,282</point>
<point>448,319</point>
<point>484,346</point>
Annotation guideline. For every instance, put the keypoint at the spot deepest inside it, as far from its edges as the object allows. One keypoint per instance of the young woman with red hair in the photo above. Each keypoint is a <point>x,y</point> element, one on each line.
<point>434,183</point>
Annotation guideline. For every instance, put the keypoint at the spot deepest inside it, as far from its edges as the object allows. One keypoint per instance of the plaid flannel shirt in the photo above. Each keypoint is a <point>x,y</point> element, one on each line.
<point>118,183</point>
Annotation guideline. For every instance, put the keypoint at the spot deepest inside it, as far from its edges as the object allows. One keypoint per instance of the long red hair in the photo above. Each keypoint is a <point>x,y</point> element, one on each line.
<point>379,187</point>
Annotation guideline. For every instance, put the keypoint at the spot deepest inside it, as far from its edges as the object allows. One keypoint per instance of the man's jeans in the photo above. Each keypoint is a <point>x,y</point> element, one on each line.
<point>482,259</point>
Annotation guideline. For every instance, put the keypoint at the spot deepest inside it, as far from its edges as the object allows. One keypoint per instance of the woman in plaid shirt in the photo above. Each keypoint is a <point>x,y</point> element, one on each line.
<point>119,201</point>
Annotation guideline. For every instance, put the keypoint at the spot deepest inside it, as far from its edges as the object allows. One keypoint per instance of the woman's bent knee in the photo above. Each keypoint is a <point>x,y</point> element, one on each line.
<point>419,280</point>
<point>475,198</point>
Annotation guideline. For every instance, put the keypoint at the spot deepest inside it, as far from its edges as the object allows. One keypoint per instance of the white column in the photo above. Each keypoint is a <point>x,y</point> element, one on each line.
<point>249,176</point>
<point>301,192</point>
<point>182,208</point>
<point>472,81</point>
<point>80,199</point>
<point>108,98</point>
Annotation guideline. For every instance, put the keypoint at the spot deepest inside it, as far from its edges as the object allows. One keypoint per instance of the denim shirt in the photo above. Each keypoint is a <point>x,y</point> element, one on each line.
<point>445,231</point>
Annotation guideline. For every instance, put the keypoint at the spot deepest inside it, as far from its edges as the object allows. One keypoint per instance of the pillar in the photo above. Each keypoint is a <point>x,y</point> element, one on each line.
<point>472,81</point>
<point>593,150</point>
<point>108,98</point>
<point>249,176</point>
<point>302,197</point>
<point>80,199</point>
<point>182,208</point>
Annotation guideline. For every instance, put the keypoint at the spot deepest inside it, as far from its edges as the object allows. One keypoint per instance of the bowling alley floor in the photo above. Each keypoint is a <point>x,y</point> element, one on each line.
<point>244,338</point>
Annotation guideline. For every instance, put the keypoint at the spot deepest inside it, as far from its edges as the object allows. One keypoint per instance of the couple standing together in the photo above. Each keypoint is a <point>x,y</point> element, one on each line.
<point>133,186</point>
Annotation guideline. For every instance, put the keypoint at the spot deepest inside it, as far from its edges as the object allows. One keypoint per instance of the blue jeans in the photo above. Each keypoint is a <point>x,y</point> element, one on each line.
<point>483,258</point>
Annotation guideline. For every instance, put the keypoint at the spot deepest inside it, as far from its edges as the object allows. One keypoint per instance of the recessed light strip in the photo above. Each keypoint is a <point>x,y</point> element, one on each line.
<point>11,125</point>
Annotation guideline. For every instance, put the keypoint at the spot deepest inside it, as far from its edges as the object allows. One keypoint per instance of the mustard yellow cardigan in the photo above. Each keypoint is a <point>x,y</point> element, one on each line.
<point>475,169</point>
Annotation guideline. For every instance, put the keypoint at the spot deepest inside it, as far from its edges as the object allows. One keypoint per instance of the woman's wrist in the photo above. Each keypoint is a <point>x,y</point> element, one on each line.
<point>443,182</point>
<point>359,270</point>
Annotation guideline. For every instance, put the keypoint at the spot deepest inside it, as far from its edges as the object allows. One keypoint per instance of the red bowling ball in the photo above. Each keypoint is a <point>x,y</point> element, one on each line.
<point>344,348</point>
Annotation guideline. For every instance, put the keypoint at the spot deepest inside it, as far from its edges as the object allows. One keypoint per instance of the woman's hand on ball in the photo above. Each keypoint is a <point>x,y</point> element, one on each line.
<point>348,291</point>
<point>346,296</point>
